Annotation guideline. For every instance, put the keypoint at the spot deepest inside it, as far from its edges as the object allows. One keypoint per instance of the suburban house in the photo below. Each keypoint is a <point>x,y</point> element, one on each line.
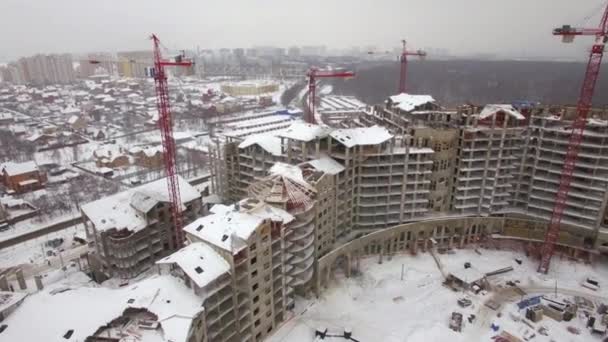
<point>110,156</point>
<point>22,177</point>
<point>149,157</point>
<point>77,122</point>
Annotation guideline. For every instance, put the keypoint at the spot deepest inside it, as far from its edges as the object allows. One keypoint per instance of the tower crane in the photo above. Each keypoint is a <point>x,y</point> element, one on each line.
<point>165,123</point>
<point>568,34</point>
<point>403,60</point>
<point>314,73</point>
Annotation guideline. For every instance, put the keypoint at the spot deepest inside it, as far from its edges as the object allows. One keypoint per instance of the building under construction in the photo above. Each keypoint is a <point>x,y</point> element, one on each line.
<point>409,160</point>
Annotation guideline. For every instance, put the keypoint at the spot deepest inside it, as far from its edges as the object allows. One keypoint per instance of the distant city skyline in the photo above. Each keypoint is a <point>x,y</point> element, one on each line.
<point>517,28</point>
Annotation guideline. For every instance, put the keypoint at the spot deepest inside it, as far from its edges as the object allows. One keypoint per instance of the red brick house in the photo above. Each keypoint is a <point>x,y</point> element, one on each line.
<point>22,177</point>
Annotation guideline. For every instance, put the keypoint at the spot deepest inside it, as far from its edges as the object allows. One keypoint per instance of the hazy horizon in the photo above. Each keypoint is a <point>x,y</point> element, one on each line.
<point>512,29</point>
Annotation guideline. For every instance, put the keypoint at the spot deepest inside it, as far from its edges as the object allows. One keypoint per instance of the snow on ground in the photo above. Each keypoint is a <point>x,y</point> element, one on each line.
<point>34,251</point>
<point>66,155</point>
<point>32,224</point>
<point>84,307</point>
<point>381,307</point>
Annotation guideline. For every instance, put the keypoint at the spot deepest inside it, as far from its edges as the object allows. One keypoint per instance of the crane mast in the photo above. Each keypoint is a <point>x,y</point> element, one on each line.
<point>313,74</point>
<point>403,60</point>
<point>578,126</point>
<point>165,123</point>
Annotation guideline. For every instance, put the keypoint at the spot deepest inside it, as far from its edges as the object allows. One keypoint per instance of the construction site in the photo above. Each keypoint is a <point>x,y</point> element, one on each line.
<point>335,220</point>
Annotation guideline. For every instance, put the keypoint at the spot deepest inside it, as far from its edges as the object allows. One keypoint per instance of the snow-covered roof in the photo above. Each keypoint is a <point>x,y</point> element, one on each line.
<point>409,102</point>
<point>597,122</point>
<point>6,116</point>
<point>305,132</point>
<point>73,119</point>
<point>86,309</point>
<point>70,110</point>
<point>492,109</point>
<point>350,137</point>
<point>228,226</point>
<point>127,209</point>
<point>109,151</point>
<point>8,299</point>
<point>200,262</point>
<point>327,165</point>
<point>13,168</point>
<point>151,151</point>
<point>226,230</point>
<point>287,170</point>
<point>18,129</point>
<point>11,202</point>
<point>268,142</point>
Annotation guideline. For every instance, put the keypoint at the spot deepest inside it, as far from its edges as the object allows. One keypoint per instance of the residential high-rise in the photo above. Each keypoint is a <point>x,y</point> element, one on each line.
<point>490,142</point>
<point>129,231</point>
<point>249,236</point>
<point>47,69</point>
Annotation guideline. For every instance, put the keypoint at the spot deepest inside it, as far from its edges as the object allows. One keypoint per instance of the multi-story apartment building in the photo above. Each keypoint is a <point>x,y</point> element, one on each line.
<point>131,230</point>
<point>249,236</point>
<point>133,63</point>
<point>47,69</point>
<point>545,144</point>
<point>102,63</point>
<point>489,145</point>
<point>12,74</point>
<point>308,195</point>
<point>374,169</point>
<point>209,276</point>
<point>410,159</point>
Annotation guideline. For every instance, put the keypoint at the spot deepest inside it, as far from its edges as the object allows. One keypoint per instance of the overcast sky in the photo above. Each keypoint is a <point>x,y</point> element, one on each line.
<point>514,27</point>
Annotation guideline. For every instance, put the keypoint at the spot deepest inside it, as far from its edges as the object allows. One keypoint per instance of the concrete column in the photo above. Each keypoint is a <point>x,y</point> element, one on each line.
<point>348,263</point>
<point>381,252</point>
<point>4,283</point>
<point>318,285</point>
<point>38,280</point>
<point>21,279</point>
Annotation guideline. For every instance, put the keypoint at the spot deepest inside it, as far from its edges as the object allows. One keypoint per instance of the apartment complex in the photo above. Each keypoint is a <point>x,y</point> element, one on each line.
<point>253,300</point>
<point>97,63</point>
<point>133,63</point>
<point>545,144</point>
<point>41,70</point>
<point>410,158</point>
<point>381,179</point>
<point>490,144</point>
<point>131,230</point>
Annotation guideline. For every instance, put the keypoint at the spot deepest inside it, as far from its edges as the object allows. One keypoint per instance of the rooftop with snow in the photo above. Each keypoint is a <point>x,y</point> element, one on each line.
<point>128,209</point>
<point>228,227</point>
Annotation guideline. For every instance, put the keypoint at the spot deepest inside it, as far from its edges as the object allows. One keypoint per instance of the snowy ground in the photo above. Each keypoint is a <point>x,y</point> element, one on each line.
<point>379,306</point>
<point>34,252</point>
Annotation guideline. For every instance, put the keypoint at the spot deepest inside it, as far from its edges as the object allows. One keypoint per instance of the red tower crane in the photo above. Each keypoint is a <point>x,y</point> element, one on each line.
<point>578,126</point>
<point>403,60</point>
<point>314,73</point>
<point>165,123</point>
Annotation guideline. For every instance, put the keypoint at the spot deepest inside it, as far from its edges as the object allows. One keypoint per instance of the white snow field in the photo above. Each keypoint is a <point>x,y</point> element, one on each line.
<point>380,307</point>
